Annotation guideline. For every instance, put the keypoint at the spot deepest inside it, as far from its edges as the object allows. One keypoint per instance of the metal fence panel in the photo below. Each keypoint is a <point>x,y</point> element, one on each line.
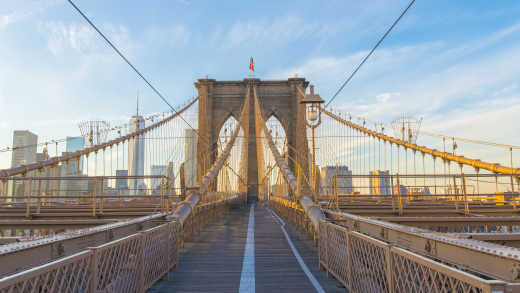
<point>322,245</point>
<point>414,273</point>
<point>69,275</point>
<point>117,264</point>
<point>338,250</point>
<point>364,264</point>
<point>174,241</point>
<point>369,260</point>
<point>155,254</point>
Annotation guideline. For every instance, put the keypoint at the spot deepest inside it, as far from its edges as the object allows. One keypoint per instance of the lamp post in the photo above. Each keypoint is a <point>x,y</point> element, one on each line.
<point>312,102</point>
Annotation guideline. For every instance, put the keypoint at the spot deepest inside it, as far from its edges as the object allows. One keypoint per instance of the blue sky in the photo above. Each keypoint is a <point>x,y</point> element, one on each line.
<point>455,63</point>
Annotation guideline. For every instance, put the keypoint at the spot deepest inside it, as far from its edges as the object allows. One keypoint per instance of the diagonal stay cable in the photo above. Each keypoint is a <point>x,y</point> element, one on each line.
<point>130,64</point>
<point>369,54</point>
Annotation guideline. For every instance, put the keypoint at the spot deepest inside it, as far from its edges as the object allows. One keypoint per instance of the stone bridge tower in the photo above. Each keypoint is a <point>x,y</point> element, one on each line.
<point>218,100</point>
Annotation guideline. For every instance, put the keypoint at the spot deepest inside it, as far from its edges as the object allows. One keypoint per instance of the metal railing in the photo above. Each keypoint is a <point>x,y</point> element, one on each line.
<point>398,191</point>
<point>130,264</point>
<point>365,264</point>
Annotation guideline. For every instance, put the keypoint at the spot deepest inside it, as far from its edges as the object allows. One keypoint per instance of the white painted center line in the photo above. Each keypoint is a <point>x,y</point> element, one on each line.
<point>304,267</point>
<point>247,278</point>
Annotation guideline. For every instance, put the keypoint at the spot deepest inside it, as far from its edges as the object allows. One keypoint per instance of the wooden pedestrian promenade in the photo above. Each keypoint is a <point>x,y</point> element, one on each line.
<point>222,259</point>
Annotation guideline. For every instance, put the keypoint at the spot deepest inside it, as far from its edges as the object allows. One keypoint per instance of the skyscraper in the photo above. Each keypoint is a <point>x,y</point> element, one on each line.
<point>24,148</point>
<point>73,144</point>
<point>380,184</point>
<point>190,152</point>
<point>24,152</point>
<point>136,154</point>
<point>73,167</point>
<point>157,170</point>
<point>122,183</point>
<point>343,183</point>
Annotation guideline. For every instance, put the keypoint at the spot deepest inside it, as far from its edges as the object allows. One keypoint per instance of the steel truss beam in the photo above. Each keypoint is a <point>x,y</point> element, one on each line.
<point>477,256</point>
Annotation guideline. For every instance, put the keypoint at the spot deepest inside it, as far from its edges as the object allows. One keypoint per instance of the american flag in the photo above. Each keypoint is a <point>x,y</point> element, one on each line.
<point>251,65</point>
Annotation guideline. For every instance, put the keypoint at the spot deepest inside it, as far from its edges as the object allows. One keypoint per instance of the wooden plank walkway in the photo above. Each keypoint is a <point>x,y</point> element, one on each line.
<point>213,262</point>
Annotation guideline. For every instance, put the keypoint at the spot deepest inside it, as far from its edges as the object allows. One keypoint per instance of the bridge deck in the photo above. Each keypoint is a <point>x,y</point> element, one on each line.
<point>213,262</point>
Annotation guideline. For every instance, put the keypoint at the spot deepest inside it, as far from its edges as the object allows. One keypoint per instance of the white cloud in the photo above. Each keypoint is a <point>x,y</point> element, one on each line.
<point>62,36</point>
<point>82,38</point>
<point>384,97</point>
<point>13,17</point>
<point>174,36</point>
<point>24,11</point>
<point>331,70</point>
<point>4,21</point>
<point>281,30</point>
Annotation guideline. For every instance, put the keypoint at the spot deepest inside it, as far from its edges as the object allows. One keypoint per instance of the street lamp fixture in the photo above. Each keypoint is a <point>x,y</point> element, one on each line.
<point>312,101</point>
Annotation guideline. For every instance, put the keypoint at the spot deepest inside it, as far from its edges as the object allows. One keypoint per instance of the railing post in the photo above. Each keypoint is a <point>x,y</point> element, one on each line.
<point>102,194</point>
<point>28,200</point>
<point>166,253</point>
<point>4,190</point>
<point>163,204</point>
<point>400,198</point>
<point>94,197</point>
<point>94,280</point>
<point>327,248</point>
<point>389,269</point>
<point>39,194</point>
<point>140,265</point>
<point>349,261</point>
<point>466,203</point>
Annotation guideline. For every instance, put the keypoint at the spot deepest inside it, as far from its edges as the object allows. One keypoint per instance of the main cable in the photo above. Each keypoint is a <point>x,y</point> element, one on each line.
<point>369,54</point>
<point>130,64</point>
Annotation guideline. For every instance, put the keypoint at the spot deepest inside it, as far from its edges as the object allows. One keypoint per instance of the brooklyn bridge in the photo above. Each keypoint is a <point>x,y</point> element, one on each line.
<point>262,189</point>
<point>255,185</point>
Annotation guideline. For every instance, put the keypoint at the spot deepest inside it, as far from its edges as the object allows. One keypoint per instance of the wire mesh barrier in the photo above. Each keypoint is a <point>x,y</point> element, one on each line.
<point>364,264</point>
<point>70,274</point>
<point>131,264</point>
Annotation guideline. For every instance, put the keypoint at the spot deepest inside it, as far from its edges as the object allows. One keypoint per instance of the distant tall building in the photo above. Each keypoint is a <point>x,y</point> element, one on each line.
<point>72,168</point>
<point>343,183</point>
<point>380,185</point>
<point>157,170</point>
<point>24,148</point>
<point>136,154</point>
<point>24,152</point>
<point>74,144</point>
<point>122,183</point>
<point>190,165</point>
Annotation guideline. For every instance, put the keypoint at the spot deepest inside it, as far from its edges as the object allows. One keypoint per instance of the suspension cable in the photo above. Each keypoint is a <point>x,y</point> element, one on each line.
<point>369,54</point>
<point>131,65</point>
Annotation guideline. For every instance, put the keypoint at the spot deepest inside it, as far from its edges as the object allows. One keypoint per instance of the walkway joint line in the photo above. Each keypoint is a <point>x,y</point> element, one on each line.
<point>304,267</point>
<point>247,278</point>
